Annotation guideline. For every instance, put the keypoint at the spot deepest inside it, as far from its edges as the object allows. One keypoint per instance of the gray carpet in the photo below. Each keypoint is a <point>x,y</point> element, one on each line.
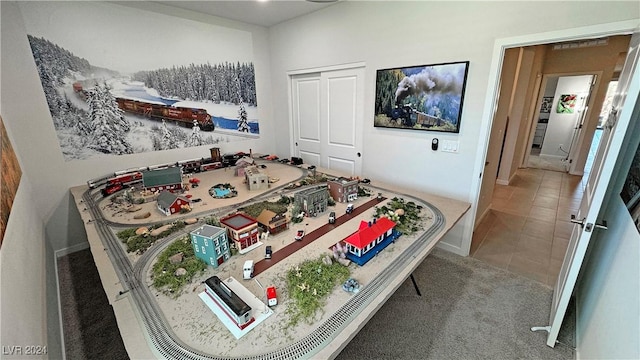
<point>89,324</point>
<point>468,310</point>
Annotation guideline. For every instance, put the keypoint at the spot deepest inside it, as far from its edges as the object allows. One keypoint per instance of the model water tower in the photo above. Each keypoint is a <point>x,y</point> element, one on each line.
<point>215,154</point>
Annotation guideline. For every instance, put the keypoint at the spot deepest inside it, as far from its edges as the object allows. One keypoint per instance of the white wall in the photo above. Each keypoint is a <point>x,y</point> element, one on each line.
<point>392,34</point>
<point>561,127</point>
<point>22,275</point>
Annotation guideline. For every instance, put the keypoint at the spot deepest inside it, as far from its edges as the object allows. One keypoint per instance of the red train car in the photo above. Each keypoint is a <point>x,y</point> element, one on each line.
<point>125,179</point>
<point>182,115</point>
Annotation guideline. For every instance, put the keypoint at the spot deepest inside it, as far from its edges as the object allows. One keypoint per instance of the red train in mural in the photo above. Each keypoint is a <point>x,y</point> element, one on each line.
<point>181,115</point>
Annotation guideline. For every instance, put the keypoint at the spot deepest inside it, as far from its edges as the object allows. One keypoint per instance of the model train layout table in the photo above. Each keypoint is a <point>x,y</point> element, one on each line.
<point>154,325</point>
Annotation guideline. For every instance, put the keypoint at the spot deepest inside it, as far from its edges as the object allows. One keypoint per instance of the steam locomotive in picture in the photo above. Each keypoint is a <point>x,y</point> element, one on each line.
<point>181,115</point>
<point>408,116</point>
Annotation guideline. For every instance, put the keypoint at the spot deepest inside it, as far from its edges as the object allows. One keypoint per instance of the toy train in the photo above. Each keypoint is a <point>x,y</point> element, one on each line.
<point>182,115</point>
<point>121,179</point>
<point>408,116</point>
<point>233,306</point>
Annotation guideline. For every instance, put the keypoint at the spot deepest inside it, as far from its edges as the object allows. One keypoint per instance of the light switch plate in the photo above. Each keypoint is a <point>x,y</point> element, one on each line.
<point>450,145</point>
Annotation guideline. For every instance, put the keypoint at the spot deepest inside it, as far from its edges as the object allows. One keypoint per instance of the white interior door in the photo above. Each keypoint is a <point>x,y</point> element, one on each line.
<point>596,189</point>
<point>305,91</point>
<point>328,118</point>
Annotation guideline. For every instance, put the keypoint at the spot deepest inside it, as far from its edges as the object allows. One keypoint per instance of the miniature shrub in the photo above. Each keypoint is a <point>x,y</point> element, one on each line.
<point>254,210</point>
<point>309,284</point>
<point>125,234</point>
<point>164,278</point>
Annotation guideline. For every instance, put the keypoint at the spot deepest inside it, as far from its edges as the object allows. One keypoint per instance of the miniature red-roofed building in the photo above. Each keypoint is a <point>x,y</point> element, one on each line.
<point>371,238</point>
<point>243,230</point>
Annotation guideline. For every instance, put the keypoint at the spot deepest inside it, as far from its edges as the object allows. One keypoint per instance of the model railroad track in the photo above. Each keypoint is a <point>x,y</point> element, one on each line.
<point>169,346</point>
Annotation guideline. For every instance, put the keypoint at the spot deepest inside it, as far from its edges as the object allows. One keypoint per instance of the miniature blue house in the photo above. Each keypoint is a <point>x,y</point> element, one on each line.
<point>210,244</point>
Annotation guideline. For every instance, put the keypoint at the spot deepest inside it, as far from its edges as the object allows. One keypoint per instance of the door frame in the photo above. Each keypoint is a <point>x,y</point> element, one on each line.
<point>493,87</point>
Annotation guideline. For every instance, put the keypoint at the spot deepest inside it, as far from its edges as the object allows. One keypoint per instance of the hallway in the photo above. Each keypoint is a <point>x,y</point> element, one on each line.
<point>527,229</point>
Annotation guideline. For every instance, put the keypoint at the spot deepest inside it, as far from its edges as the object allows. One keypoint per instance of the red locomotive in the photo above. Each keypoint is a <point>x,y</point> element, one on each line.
<point>182,115</point>
<point>126,178</point>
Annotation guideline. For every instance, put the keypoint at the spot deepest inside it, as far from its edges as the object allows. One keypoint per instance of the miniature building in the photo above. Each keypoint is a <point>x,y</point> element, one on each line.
<point>211,245</point>
<point>313,201</point>
<point>243,230</point>
<point>272,222</point>
<point>170,203</point>
<point>242,164</point>
<point>256,179</point>
<point>163,179</point>
<point>371,238</point>
<point>215,154</point>
<point>342,189</point>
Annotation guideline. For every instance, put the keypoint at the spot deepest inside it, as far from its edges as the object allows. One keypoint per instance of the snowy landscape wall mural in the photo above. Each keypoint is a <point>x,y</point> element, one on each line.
<point>120,80</point>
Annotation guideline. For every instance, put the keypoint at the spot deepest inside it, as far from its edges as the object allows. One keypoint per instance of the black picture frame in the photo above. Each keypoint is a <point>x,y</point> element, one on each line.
<point>423,97</point>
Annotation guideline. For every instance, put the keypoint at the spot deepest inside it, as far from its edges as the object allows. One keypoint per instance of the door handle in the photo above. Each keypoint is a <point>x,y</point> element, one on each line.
<point>576,221</point>
<point>589,226</point>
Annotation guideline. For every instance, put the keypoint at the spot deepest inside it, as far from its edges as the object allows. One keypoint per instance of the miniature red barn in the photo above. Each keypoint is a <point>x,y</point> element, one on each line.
<point>169,203</point>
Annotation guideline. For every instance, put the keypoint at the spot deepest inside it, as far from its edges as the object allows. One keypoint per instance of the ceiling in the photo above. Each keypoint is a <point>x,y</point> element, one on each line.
<point>263,13</point>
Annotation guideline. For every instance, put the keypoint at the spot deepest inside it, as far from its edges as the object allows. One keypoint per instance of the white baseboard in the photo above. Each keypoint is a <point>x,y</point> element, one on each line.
<point>553,157</point>
<point>450,248</point>
<point>502,182</point>
<point>71,249</point>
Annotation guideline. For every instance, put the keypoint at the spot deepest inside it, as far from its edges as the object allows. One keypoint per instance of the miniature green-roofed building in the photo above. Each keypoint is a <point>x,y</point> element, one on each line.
<point>163,179</point>
<point>210,244</point>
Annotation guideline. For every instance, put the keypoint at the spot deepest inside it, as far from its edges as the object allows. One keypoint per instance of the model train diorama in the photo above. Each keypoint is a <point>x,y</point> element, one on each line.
<point>181,115</point>
<point>408,116</point>
<point>124,178</point>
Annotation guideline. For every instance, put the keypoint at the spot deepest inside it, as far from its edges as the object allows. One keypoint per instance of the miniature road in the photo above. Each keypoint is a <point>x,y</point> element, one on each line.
<point>283,253</point>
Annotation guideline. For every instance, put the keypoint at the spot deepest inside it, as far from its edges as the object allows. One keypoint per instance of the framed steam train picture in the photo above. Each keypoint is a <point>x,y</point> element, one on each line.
<point>426,97</point>
<point>134,81</point>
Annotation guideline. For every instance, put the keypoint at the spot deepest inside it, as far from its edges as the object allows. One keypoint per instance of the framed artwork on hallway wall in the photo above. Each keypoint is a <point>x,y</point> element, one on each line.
<point>630,193</point>
<point>425,97</point>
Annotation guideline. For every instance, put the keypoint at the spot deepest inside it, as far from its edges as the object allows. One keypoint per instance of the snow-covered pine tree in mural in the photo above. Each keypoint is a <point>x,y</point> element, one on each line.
<point>167,139</point>
<point>108,134</point>
<point>242,118</point>
<point>195,138</point>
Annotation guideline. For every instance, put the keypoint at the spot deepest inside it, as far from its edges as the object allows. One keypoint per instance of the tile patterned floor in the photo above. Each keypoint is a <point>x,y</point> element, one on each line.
<point>527,229</point>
